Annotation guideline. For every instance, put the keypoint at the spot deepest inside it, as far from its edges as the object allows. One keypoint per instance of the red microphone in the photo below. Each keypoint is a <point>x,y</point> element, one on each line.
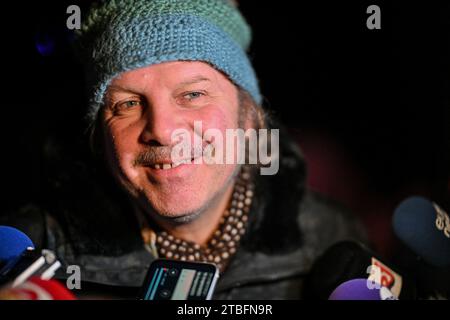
<point>37,289</point>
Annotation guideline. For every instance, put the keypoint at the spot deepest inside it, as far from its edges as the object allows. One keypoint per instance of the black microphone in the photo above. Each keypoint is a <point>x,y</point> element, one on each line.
<point>348,260</point>
<point>424,229</point>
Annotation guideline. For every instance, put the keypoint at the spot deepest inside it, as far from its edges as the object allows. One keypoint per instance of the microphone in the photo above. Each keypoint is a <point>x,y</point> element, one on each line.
<point>361,289</point>
<point>20,260</point>
<point>348,260</point>
<point>424,229</point>
<point>12,243</point>
<point>36,288</point>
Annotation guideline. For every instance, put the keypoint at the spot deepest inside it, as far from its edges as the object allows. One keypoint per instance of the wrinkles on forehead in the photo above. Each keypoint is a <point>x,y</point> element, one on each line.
<point>173,76</point>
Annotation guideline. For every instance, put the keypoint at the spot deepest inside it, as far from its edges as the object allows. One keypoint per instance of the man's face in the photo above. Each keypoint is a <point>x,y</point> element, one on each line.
<point>143,107</point>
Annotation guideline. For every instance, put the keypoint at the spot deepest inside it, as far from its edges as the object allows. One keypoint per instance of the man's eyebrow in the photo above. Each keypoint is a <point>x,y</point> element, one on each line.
<point>118,88</point>
<point>193,80</point>
<point>197,79</point>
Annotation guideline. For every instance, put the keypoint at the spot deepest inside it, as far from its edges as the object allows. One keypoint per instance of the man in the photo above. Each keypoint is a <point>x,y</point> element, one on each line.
<point>156,67</point>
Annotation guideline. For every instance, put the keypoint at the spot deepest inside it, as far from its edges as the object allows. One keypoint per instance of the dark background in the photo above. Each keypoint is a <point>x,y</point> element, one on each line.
<point>370,108</point>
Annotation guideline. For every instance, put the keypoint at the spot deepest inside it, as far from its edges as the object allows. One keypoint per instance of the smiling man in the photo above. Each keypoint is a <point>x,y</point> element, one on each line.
<point>143,108</point>
<point>154,67</point>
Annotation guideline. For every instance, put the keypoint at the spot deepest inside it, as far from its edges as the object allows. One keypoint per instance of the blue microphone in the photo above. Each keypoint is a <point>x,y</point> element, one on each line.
<point>13,243</point>
<point>425,228</point>
<point>20,261</point>
<point>361,289</point>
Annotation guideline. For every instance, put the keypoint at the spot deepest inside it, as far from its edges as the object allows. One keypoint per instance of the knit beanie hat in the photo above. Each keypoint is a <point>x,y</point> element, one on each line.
<point>122,35</point>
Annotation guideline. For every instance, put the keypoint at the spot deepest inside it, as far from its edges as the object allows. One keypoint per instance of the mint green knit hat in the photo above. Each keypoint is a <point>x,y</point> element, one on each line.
<point>122,35</point>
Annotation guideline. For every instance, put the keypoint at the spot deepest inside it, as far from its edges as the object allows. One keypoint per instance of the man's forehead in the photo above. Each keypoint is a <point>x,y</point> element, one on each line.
<point>171,74</point>
<point>120,86</point>
<point>179,70</point>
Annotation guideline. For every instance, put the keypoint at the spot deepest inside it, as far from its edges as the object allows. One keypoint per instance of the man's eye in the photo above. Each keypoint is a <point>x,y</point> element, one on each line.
<point>130,104</point>
<point>126,106</point>
<point>193,95</point>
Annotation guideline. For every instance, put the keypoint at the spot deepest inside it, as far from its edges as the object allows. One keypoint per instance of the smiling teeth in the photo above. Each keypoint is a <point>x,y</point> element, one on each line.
<point>166,166</point>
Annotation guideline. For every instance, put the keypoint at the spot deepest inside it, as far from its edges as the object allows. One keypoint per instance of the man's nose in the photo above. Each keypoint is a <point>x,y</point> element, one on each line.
<point>162,118</point>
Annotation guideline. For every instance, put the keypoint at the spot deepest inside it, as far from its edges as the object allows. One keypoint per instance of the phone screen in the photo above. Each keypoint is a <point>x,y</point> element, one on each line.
<point>179,280</point>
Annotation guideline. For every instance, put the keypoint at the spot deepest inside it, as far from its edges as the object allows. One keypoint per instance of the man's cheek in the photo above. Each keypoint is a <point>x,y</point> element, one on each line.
<point>126,162</point>
<point>218,123</point>
<point>214,127</point>
<point>121,159</point>
<point>217,117</point>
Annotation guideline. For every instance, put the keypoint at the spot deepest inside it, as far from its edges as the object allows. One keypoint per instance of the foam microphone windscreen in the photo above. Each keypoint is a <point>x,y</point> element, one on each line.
<point>425,228</point>
<point>12,243</point>
<point>360,289</point>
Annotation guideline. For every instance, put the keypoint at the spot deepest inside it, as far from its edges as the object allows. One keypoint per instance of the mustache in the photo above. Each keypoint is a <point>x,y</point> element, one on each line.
<point>164,154</point>
<point>152,155</point>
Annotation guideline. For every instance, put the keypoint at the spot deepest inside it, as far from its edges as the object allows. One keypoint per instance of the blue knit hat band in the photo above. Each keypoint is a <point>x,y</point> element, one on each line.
<point>144,41</point>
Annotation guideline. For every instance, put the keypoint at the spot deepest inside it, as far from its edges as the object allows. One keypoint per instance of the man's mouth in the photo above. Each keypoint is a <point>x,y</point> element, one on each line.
<point>170,165</point>
<point>165,162</point>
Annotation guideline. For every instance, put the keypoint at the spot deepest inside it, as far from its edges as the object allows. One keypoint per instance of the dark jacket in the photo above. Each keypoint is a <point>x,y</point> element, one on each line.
<point>88,222</point>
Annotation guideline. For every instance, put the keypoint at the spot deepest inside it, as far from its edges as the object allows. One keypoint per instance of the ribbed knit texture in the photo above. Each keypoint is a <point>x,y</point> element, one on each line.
<point>123,35</point>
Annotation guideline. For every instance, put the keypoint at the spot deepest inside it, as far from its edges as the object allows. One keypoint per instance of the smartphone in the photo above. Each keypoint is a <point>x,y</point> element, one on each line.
<point>179,280</point>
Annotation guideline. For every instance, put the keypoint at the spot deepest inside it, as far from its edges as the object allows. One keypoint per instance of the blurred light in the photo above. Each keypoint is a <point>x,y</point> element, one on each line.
<point>45,44</point>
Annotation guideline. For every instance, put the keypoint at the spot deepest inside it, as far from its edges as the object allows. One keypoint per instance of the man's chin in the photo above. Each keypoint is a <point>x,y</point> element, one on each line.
<point>177,218</point>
